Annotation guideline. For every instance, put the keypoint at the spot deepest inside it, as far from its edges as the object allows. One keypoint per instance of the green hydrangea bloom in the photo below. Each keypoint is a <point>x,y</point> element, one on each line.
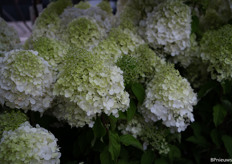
<point>169,98</point>
<point>11,120</point>
<point>48,22</point>
<point>140,64</point>
<point>92,84</point>
<point>25,81</point>
<point>9,38</point>
<point>27,145</point>
<point>119,42</point>
<point>72,114</point>
<point>216,50</point>
<point>105,6</point>
<point>51,50</point>
<point>83,5</point>
<point>84,32</point>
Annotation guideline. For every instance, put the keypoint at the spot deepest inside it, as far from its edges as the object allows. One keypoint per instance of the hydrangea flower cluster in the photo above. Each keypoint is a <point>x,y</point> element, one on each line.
<point>11,120</point>
<point>25,81</point>
<point>168,26</point>
<point>29,145</point>
<point>48,23</point>
<point>118,43</point>
<point>84,32</point>
<point>151,135</point>
<point>51,50</point>
<point>8,37</point>
<point>103,18</point>
<point>169,98</point>
<point>139,64</point>
<point>72,113</point>
<point>83,5</point>
<point>216,49</point>
<point>134,127</point>
<point>92,84</point>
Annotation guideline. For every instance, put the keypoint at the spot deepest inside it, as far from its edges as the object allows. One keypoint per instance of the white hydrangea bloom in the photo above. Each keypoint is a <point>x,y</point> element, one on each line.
<point>9,38</point>
<point>134,127</point>
<point>169,98</point>
<point>168,26</point>
<point>72,113</point>
<point>92,84</point>
<point>25,81</point>
<point>28,145</point>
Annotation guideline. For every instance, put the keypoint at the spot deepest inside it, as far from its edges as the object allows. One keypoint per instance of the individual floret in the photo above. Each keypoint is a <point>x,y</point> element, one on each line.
<point>72,114</point>
<point>26,81</point>
<point>11,120</point>
<point>216,50</point>
<point>9,38</point>
<point>92,84</point>
<point>27,145</point>
<point>168,26</point>
<point>169,98</point>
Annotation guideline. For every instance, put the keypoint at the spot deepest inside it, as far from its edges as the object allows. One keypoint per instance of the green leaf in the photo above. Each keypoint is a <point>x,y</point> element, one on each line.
<point>219,113</point>
<point>206,88</point>
<point>148,157</point>
<point>114,145</point>
<point>98,129</point>
<point>227,140</point>
<point>105,156</point>
<point>215,136</point>
<point>200,140</point>
<point>130,140</point>
<point>174,152</point>
<point>161,161</point>
<point>131,111</point>
<point>138,91</point>
<point>122,115</point>
<point>195,24</point>
<point>113,122</point>
<point>227,86</point>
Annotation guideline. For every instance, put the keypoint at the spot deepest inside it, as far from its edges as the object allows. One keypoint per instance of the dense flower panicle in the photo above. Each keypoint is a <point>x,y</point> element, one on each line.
<point>84,32</point>
<point>216,50</point>
<point>139,65</point>
<point>27,145</point>
<point>92,84</point>
<point>51,50</point>
<point>169,98</point>
<point>105,6</point>
<point>150,134</point>
<point>189,55</point>
<point>9,38</point>
<point>72,114</point>
<point>48,22</point>
<point>118,43</point>
<point>83,5</point>
<point>103,19</point>
<point>134,127</point>
<point>25,81</point>
<point>168,26</point>
<point>11,120</point>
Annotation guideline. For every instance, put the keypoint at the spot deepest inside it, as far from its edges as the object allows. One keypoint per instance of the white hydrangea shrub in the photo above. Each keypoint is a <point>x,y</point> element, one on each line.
<point>26,81</point>
<point>29,145</point>
<point>168,26</point>
<point>169,98</point>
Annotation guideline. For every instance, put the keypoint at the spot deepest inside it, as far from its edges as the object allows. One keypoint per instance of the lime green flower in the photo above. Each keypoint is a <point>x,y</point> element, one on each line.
<point>83,5</point>
<point>216,50</point>
<point>9,38</point>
